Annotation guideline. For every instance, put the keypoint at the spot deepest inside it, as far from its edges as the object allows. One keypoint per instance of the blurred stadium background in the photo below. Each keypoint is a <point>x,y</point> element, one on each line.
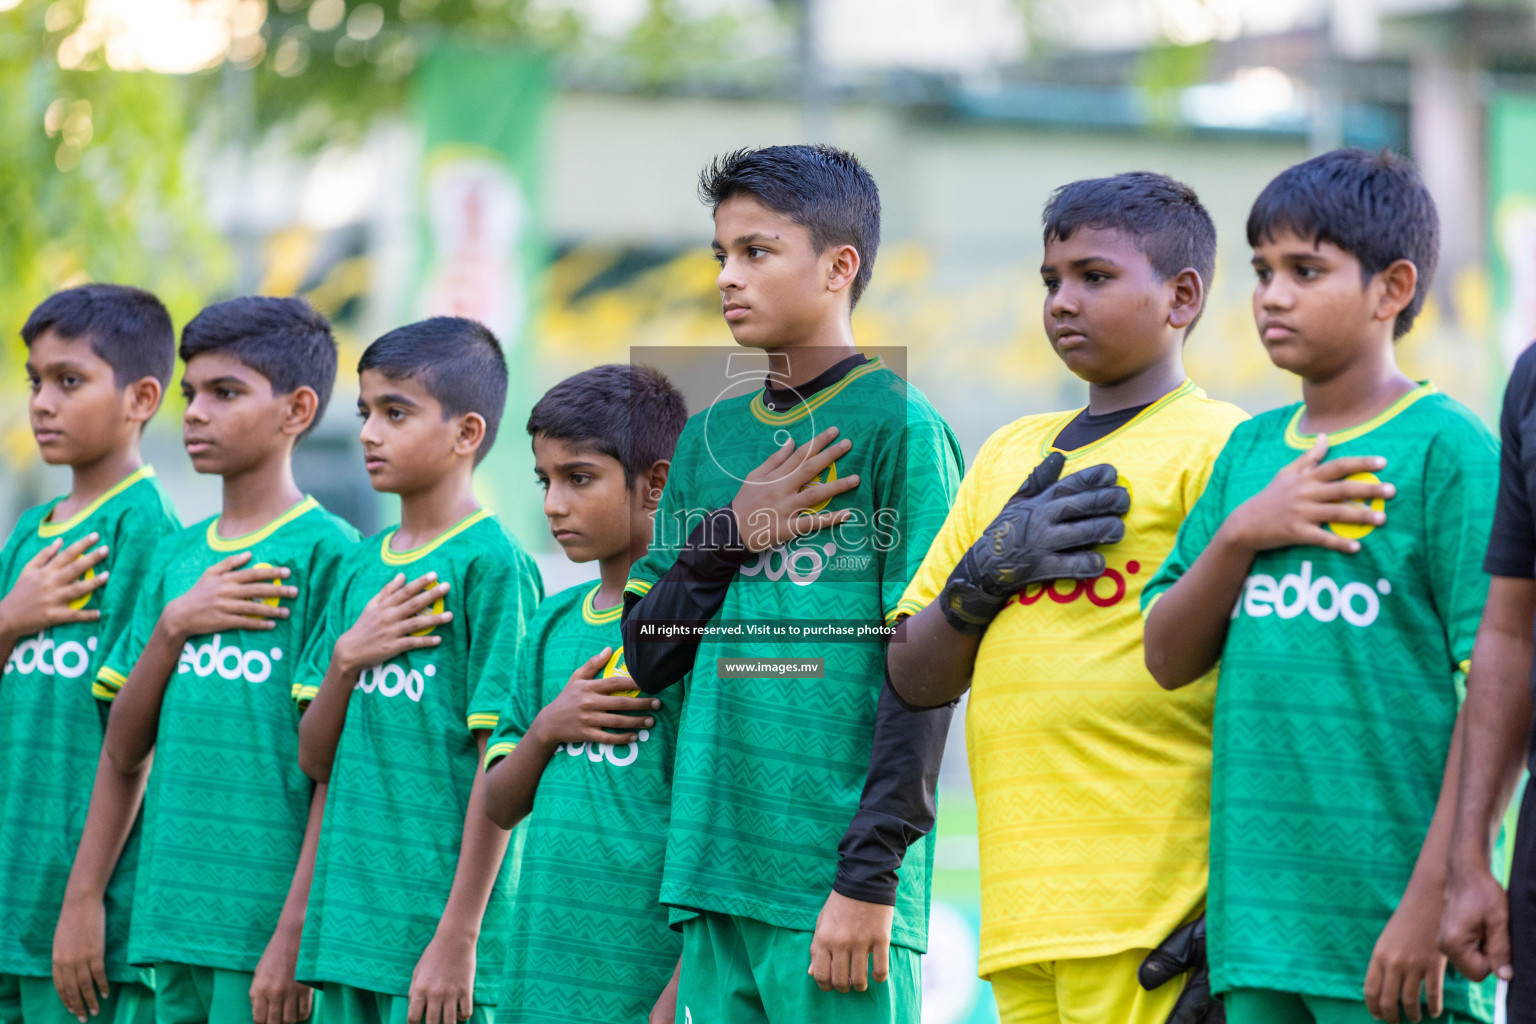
<point>532,163</point>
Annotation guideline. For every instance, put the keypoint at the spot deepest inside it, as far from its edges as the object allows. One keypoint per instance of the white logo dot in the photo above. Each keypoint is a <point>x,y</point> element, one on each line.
<point>830,548</point>
<point>429,671</point>
<point>91,643</point>
<point>277,655</point>
<point>645,734</point>
<point>1383,586</point>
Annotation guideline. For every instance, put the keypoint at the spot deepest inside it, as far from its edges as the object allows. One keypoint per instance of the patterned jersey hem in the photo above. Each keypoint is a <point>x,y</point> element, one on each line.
<point>149,954</point>
<point>1458,998</point>
<point>1023,954</point>
<point>696,901</point>
<point>315,978</point>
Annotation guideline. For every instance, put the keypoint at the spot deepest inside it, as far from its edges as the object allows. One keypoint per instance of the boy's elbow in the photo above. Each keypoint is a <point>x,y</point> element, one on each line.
<point>1167,676</point>
<point>127,762</point>
<point>313,766</point>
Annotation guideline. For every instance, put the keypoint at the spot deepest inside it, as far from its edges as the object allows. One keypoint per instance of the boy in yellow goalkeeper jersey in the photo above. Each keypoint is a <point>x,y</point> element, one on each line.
<point>1092,786</point>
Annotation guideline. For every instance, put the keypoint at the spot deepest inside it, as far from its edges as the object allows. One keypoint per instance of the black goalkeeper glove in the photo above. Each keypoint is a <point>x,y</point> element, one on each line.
<point>1180,953</point>
<point>1044,532</point>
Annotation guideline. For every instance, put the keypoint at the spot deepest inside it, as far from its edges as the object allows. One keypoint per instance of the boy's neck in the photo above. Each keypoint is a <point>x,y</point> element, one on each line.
<point>1141,388</point>
<point>91,480</point>
<point>256,496</point>
<point>801,361</point>
<point>613,573</point>
<point>426,515</point>
<point>1354,394</point>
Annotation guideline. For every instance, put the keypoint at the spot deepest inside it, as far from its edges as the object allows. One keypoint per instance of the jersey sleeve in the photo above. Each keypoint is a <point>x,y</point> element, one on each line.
<point>1512,544</point>
<point>1199,526</point>
<point>499,605</point>
<point>329,624</point>
<point>919,476</point>
<point>524,699</point>
<point>1460,475</point>
<point>327,581</point>
<point>959,531</point>
<point>131,606</point>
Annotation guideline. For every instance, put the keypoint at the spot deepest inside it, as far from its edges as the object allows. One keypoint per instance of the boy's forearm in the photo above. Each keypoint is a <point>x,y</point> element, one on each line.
<point>1496,721</point>
<point>320,728</point>
<point>929,661</point>
<point>291,921</point>
<point>135,718</point>
<point>480,856</point>
<point>1429,871</point>
<point>513,781</point>
<point>115,800</point>
<point>1187,627</point>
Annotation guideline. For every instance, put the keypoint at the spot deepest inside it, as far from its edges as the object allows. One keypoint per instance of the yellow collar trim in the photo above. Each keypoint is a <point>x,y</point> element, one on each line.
<point>777,419</point>
<point>595,616</point>
<point>1046,447</point>
<point>218,543</point>
<point>1296,439</point>
<point>47,529</point>
<point>402,557</point>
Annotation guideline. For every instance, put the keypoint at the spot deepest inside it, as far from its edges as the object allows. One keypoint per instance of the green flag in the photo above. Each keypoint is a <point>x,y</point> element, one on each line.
<point>481,113</point>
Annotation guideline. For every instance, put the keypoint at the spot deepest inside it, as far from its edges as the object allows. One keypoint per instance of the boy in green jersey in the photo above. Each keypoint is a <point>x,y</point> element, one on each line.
<point>99,358</point>
<point>1341,598</point>
<point>577,747</point>
<point>806,502</point>
<point>409,908</point>
<point>203,677</point>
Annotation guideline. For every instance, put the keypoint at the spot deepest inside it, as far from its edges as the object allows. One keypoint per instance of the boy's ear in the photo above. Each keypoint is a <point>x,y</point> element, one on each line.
<point>471,434</point>
<point>651,482</point>
<point>1188,298</point>
<point>843,267</point>
<point>1398,283</point>
<point>144,397</point>
<point>303,405</point>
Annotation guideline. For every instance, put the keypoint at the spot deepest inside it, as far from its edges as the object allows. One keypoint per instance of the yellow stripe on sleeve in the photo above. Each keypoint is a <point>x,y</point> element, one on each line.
<point>484,720</point>
<point>496,751</point>
<point>637,587</point>
<point>101,692</point>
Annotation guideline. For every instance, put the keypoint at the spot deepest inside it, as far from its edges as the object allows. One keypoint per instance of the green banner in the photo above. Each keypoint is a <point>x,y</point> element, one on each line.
<point>481,113</point>
<point>1512,202</point>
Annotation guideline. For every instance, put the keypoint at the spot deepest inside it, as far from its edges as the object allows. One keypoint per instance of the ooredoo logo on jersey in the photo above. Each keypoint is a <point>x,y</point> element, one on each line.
<point>1322,598</point>
<point>40,654</point>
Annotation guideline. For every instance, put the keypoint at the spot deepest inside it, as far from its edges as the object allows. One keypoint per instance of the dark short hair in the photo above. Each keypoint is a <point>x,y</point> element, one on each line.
<point>1163,217</point>
<point>823,189</point>
<point>631,413</point>
<point>457,360</point>
<point>284,340</point>
<point>1374,206</point>
<point>127,327</point>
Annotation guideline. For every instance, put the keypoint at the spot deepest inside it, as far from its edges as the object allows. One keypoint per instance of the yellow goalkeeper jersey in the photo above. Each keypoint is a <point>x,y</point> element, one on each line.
<point>1092,783</point>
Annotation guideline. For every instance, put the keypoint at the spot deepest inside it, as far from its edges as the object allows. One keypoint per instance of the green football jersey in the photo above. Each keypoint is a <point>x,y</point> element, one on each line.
<point>226,797</point>
<point>400,782</point>
<point>51,726</point>
<point>770,770</point>
<point>1338,691</point>
<point>600,815</point>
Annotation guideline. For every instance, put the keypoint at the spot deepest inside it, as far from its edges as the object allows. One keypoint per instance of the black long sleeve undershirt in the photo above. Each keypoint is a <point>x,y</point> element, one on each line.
<point>898,804</point>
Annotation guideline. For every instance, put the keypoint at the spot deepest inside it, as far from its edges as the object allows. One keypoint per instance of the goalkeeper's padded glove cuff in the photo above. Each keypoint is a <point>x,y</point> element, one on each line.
<point>966,606</point>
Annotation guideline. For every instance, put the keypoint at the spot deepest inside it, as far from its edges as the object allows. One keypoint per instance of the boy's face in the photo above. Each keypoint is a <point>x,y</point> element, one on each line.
<point>407,441</point>
<point>591,511</point>
<point>233,422</point>
<point>78,413</point>
<point>773,282</point>
<point>1106,310</point>
<point>1309,304</point>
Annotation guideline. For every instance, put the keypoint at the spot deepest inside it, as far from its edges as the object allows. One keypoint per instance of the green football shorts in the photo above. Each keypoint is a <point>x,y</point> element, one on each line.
<point>740,971</point>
